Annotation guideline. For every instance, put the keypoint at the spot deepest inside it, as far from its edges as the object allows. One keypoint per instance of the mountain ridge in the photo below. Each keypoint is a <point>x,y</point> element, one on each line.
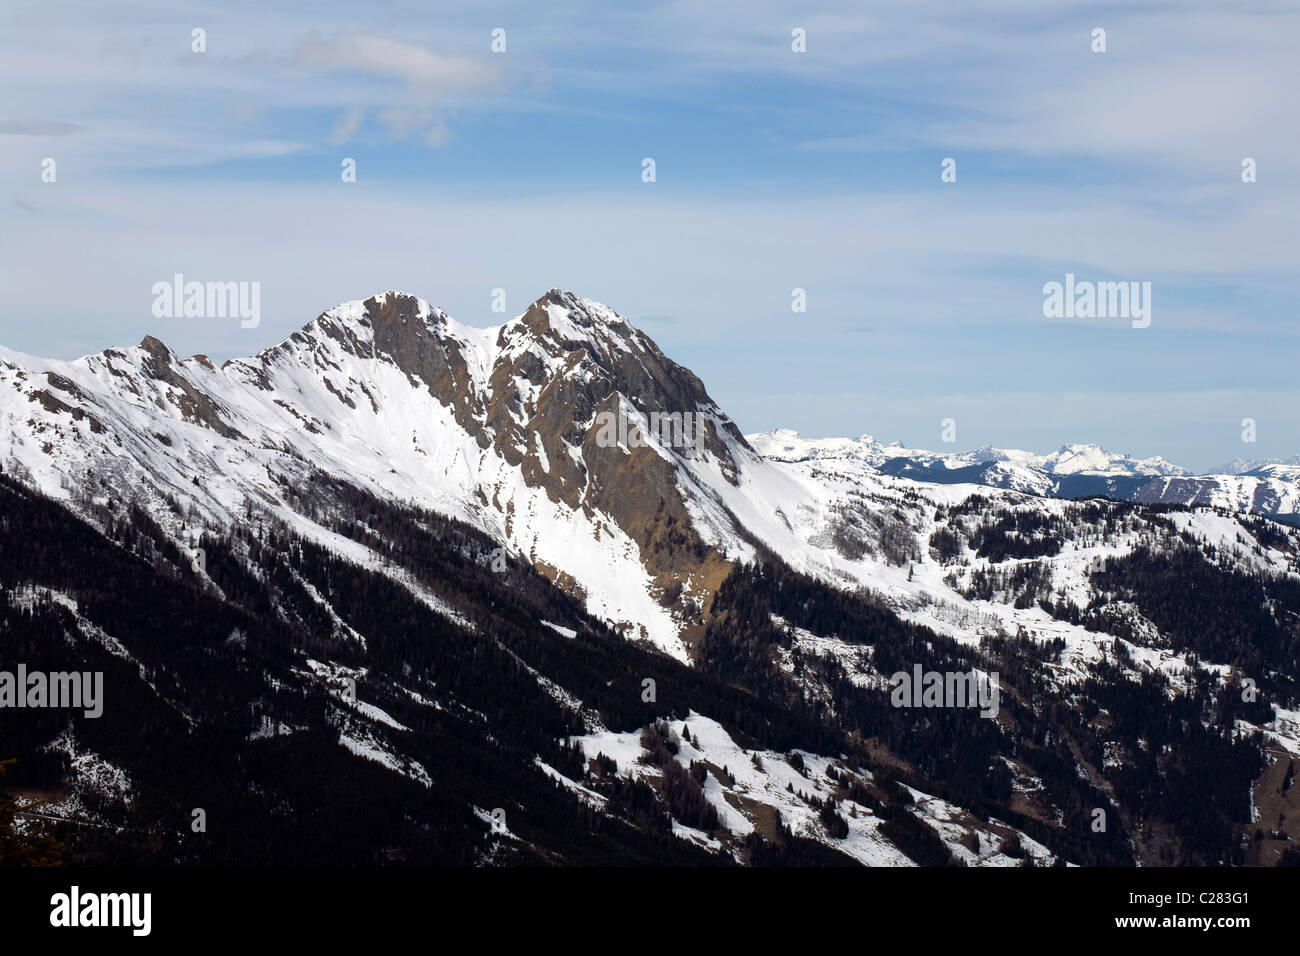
<point>516,411</point>
<point>447,517</point>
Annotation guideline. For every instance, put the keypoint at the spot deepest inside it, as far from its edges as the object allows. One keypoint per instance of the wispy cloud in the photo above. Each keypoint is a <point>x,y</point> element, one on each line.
<point>13,127</point>
<point>425,72</point>
<point>427,77</point>
<point>347,126</point>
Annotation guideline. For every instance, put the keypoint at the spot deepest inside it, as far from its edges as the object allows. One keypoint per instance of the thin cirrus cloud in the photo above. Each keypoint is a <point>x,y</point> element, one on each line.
<point>347,126</point>
<point>427,77</point>
<point>203,150</point>
<point>13,127</point>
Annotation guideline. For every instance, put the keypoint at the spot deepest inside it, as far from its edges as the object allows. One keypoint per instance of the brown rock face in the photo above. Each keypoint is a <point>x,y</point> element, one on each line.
<point>195,405</point>
<point>557,368</point>
<point>562,370</point>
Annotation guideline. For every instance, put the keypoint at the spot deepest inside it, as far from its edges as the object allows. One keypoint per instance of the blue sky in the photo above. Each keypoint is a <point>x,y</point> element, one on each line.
<point>775,170</point>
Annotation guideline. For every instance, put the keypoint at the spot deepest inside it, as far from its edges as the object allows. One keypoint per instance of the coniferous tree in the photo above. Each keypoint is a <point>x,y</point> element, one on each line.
<point>23,849</point>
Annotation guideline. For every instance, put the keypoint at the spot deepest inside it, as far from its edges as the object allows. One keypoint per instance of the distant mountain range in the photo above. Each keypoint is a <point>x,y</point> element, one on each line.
<point>1269,487</point>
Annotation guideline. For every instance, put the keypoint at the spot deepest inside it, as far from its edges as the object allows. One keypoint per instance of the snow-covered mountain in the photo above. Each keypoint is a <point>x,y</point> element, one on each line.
<point>498,427</point>
<point>1250,466</point>
<point>352,485</point>
<point>1072,471</point>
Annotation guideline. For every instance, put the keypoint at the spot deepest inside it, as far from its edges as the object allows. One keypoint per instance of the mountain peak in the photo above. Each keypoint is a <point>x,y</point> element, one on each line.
<point>157,349</point>
<point>395,325</point>
<point>568,317</point>
<point>387,322</point>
